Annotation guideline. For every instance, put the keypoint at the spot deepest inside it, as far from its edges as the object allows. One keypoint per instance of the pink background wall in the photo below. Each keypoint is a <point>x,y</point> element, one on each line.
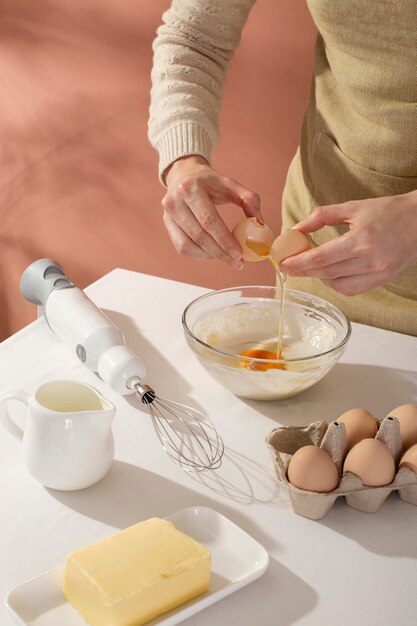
<point>78,178</point>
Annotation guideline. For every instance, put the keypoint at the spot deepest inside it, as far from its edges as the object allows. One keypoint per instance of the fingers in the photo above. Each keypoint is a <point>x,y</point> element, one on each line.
<point>370,254</point>
<point>248,200</point>
<point>191,216</point>
<point>182,243</point>
<point>331,215</point>
<point>355,285</point>
<point>191,239</point>
<point>351,267</point>
<point>205,227</point>
<point>335,251</point>
<point>223,189</point>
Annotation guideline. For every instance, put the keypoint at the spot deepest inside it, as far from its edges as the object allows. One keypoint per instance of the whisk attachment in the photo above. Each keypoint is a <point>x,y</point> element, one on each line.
<point>187,436</point>
<point>146,393</point>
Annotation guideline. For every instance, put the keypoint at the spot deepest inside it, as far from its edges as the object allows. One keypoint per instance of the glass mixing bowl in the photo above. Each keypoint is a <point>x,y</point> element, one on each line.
<point>221,324</point>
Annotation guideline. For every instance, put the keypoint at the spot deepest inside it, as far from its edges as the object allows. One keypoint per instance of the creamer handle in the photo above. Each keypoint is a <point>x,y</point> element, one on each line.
<point>6,419</point>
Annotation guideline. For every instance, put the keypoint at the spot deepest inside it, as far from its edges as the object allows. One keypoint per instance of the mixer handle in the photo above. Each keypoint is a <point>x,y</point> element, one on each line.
<point>75,319</point>
<point>40,279</point>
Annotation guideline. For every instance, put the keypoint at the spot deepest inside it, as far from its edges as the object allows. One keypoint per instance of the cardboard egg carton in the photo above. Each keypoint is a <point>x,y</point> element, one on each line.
<point>284,442</point>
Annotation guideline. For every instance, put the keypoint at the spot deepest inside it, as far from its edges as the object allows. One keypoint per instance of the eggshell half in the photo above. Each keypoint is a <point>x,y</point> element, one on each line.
<point>290,242</point>
<point>406,414</point>
<point>261,237</point>
<point>312,469</point>
<point>359,424</point>
<point>372,462</point>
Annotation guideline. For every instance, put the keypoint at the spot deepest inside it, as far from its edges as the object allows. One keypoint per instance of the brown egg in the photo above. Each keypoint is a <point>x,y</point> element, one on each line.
<point>288,243</point>
<point>372,462</point>
<point>312,469</point>
<point>360,424</point>
<point>254,239</point>
<point>409,459</point>
<point>406,414</point>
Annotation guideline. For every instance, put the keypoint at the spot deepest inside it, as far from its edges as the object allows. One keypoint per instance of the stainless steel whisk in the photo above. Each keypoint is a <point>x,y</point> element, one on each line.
<point>187,436</point>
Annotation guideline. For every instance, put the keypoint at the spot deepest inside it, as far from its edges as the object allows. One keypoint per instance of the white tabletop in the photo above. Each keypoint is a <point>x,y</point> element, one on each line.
<point>348,568</point>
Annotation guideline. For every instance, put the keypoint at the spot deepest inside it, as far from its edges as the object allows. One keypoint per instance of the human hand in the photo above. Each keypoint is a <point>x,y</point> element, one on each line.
<point>380,243</point>
<point>194,189</point>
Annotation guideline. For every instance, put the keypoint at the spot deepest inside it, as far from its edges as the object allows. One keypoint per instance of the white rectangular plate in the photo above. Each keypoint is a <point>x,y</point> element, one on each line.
<point>237,560</point>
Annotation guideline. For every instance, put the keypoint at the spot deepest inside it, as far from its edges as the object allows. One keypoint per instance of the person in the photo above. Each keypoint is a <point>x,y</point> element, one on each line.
<point>352,184</point>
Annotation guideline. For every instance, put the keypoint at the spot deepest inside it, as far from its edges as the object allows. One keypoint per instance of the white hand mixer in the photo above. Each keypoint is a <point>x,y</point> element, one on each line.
<point>189,438</point>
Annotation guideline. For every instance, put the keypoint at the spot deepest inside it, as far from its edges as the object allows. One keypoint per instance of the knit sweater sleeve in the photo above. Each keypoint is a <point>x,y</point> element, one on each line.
<point>192,51</point>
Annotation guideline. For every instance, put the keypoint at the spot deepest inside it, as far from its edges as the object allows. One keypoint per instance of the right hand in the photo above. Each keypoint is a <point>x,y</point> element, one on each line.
<point>190,215</point>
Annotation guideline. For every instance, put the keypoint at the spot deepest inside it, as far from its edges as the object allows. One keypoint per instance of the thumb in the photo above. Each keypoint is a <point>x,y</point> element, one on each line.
<point>248,200</point>
<point>330,215</point>
<point>251,205</point>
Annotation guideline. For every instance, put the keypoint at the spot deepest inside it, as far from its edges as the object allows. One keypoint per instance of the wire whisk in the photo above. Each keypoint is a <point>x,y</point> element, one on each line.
<point>188,437</point>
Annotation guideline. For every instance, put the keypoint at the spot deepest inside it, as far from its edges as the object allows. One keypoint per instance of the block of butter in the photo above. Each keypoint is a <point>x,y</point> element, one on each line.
<point>135,575</point>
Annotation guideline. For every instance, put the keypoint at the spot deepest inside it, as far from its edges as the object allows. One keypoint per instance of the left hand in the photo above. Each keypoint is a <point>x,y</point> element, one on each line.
<point>380,244</point>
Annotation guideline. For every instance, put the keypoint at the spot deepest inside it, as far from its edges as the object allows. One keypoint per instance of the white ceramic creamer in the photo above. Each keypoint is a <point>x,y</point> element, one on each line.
<point>67,436</point>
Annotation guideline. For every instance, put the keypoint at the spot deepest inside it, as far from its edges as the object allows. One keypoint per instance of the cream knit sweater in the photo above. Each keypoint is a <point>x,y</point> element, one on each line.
<point>191,57</point>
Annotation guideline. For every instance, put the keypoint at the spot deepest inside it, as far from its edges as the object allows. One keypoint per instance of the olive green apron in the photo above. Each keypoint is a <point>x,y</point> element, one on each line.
<point>359,136</point>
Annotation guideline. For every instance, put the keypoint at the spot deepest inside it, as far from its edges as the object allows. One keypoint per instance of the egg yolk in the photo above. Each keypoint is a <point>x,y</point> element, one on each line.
<point>258,247</point>
<point>260,367</point>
